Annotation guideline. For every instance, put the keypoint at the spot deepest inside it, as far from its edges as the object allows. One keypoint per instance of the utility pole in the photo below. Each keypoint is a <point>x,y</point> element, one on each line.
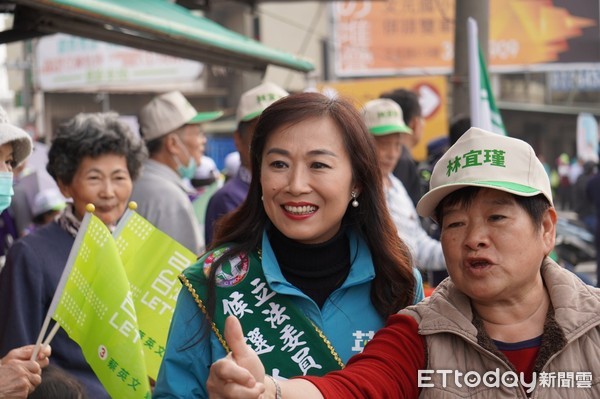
<point>27,90</point>
<point>242,19</point>
<point>480,11</point>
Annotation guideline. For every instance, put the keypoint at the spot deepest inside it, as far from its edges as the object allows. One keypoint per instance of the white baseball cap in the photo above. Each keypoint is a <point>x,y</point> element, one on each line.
<point>9,133</point>
<point>256,100</point>
<point>232,163</point>
<point>168,112</point>
<point>207,168</point>
<point>484,159</point>
<point>384,116</point>
<point>48,200</point>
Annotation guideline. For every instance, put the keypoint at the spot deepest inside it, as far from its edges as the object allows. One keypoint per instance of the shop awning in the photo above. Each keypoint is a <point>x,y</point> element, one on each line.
<point>154,25</point>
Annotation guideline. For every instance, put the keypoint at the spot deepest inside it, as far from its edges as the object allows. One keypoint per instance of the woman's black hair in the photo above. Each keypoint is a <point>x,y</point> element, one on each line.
<point>393,287</point>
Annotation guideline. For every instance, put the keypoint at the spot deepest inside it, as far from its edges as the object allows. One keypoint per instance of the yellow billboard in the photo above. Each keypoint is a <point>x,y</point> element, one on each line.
<point>432,91</point>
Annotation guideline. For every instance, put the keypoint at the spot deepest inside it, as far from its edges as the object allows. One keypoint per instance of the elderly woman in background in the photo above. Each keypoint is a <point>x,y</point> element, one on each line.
<point>94,158</point>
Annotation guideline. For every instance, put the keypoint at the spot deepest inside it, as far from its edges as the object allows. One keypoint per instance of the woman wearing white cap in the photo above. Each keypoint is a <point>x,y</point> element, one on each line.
<point>18,374</point>
<point>508,323</point>
<point>15,147</point>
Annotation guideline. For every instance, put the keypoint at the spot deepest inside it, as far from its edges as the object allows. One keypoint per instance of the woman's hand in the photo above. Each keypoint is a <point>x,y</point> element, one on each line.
<point>25,352</point>
<point>240,374</point>
<point>19,375</point>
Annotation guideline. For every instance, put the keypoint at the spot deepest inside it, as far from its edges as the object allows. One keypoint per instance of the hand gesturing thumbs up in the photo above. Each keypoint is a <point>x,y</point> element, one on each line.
<point>240,374</point>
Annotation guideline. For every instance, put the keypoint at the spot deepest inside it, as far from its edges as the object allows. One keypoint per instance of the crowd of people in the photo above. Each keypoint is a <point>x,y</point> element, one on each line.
<point>318,242</point>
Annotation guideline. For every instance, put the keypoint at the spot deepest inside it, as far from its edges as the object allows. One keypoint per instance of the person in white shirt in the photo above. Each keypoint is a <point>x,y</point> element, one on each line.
<point>384,120</point>
<point>206,173</point>
<point>232,164</point>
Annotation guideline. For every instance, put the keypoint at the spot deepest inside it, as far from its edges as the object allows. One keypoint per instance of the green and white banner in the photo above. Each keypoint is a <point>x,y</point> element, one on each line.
<point>484,113</point>
<point>490,116</point>
<point>94,305</point>
<point>152,261</point>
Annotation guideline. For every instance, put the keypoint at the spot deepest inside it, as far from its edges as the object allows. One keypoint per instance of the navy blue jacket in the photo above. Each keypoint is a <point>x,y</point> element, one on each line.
<point>27,284</point>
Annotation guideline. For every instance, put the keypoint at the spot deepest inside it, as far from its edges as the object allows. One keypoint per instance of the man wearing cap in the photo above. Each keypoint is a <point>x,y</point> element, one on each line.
<point>384,120</point>
<point>234,191</point>
<point>173,134</point>
<point>406,168</point>
<point>508,323</point>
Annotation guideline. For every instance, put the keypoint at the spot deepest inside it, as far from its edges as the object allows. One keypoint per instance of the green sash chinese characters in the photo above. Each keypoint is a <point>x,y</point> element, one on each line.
<point>282,336</point>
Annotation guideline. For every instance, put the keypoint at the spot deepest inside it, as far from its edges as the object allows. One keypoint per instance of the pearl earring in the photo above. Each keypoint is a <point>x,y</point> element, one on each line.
<point>354,200</point>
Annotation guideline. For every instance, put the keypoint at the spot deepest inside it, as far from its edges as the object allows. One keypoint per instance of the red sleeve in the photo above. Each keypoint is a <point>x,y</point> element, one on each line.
<point>387,367</point>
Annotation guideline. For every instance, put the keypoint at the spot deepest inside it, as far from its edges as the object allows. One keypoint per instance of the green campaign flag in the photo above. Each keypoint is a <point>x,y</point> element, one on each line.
<point>490,115</point>
<point>152,261</point>
<point>96,309</point>
<point>484,112</point>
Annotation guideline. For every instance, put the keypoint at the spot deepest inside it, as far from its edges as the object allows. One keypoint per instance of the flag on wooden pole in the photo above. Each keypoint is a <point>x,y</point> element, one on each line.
<point>94,305</point>
<point>152,261</point>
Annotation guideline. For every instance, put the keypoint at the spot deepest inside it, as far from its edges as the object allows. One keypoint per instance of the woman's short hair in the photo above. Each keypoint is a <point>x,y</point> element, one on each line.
<point>93,135</point>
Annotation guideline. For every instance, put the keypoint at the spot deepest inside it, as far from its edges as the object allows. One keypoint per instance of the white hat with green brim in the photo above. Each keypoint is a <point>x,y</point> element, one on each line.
<point>254,101</point>
<point>168,112</point>
<point>484,159</point>
<point>384,116</point>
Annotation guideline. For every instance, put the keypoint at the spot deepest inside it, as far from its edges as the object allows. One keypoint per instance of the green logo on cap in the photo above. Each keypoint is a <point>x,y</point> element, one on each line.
<point>387,114</point>
<point>266,97</point>
<point>476,158</point>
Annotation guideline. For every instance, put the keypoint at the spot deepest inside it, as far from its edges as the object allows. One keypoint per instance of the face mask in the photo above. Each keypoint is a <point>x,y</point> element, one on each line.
<point>6,190</point>
<point>189,171</point>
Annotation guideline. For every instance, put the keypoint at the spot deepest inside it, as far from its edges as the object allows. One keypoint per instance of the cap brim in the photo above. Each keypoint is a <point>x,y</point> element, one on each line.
<point>59,207</point>
<point>205,117</point>
<point>251,116</point>
<point>389,129</point>
<point>428,203</point>
<point>20,140</point>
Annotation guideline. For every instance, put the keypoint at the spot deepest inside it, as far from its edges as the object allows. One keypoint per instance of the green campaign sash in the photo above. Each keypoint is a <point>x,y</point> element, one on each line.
<point>282,336</point>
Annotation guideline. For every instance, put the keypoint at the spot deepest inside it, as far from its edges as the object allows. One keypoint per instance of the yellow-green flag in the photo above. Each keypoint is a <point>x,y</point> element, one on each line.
<point>96,309</point>
<point>152,260</point>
